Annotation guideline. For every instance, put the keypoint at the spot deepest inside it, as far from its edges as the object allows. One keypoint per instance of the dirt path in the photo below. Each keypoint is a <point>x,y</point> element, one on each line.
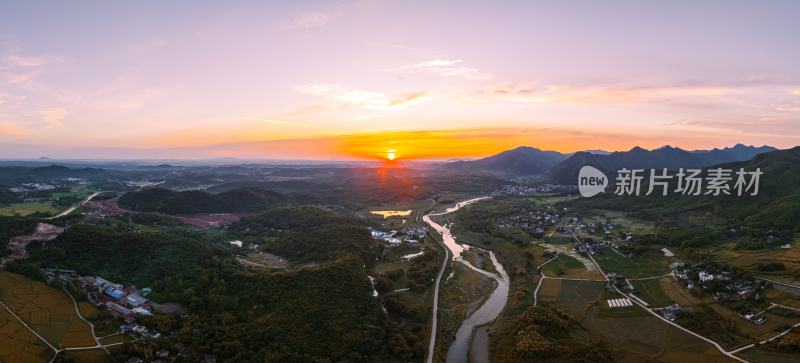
<point>91,326</point>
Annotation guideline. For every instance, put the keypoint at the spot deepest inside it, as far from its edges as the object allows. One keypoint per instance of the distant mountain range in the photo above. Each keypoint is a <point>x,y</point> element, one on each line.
<point>521,161</point>
<point>44,174</point>
<point>566,172</point>
<point>562,168</point>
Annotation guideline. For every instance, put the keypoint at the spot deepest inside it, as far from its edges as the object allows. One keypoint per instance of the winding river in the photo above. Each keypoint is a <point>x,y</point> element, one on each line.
<point>491,308</point>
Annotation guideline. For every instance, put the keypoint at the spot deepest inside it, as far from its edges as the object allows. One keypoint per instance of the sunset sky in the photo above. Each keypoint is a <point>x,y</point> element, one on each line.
<point>356,79</point>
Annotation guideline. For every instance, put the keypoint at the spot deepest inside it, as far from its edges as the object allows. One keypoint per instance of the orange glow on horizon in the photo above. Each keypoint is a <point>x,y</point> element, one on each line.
<point>392,146</point>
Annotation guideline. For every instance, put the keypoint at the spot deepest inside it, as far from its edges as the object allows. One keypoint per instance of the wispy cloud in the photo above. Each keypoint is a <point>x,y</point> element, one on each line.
<point>54,116</point>
<point>13,78</point>
<point>285,122</point>
<point>359,98</point>
<point>444,67</point>
<point>314,19</point>
<point>598,95</point>
<point>12,61</point>
<point>12,130</point>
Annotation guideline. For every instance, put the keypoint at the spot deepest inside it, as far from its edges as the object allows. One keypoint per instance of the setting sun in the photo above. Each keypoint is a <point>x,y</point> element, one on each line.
<point>391,155</point>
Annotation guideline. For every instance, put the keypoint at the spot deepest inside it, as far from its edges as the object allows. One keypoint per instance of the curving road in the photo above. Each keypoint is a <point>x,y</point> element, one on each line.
<point>74,207</point>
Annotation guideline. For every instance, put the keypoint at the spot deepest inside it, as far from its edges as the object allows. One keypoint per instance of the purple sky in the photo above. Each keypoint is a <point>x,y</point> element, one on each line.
<point>349,78</point>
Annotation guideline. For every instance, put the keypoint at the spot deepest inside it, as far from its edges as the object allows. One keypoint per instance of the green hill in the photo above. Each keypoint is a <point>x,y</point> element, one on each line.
<point>776,205</point>
<point>325,313</point>
<point>195,201</point>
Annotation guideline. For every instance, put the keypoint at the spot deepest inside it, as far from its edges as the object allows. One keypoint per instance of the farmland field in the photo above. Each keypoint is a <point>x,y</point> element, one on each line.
<point>678,293</point>
<point>558,240</point>
<point>48,310</point>
<point>636,267</point>
<point>750,260</point>
<point>88,356</point>
<point>573,297</point>
<point>119,338</point>
<point>761,356</point>
<point>623,330</point>
<point>651,292</point>
<point>566,266</point>
<point>784,295</point>
<point>27,208</point>
<point>18,344</point>
<point>561,264</point>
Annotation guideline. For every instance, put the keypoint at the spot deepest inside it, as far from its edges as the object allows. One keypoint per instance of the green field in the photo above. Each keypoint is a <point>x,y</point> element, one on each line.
<point>637,267</point>
<point>561,264</point>
<point>650,291</point>
<point>571,296</point>
<point>558,240</point>
<point>27,208</point>
<point>543,199</point>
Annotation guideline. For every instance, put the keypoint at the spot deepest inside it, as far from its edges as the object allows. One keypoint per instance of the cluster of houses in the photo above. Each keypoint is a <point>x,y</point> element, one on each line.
<point>410,234</point>
<point>670,312</point>
<point>593,246</point>
<point>534,221</point>
<point>620,282</point>
<point>757,319</point>
<point>25,187</point>
<point>124,303</point>
<point>121,302</point>
<point>513,189</point>
<point>732,289</point>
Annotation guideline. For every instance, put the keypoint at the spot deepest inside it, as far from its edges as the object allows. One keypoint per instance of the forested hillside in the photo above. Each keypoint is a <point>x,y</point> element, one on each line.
<point>324,313</point>
<point>307,233</point>
<point>194,201</point>
<point>776,205</point>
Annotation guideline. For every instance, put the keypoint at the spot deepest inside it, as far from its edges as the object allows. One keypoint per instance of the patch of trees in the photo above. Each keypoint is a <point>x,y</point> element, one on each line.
<point>7,196</point>
<point>195,201</point>
<point>14,226</point>
<point>788,344</point>
<point>771,266</point>
<point>303,233</point>
<point>543,332</point>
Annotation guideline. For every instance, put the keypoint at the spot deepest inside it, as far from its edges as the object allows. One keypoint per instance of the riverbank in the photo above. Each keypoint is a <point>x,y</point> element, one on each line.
<point>459,349</point>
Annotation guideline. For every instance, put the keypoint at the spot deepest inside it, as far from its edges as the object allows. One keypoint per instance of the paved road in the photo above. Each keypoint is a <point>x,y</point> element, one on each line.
<point>74,207</point>
<point>432,343</point>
